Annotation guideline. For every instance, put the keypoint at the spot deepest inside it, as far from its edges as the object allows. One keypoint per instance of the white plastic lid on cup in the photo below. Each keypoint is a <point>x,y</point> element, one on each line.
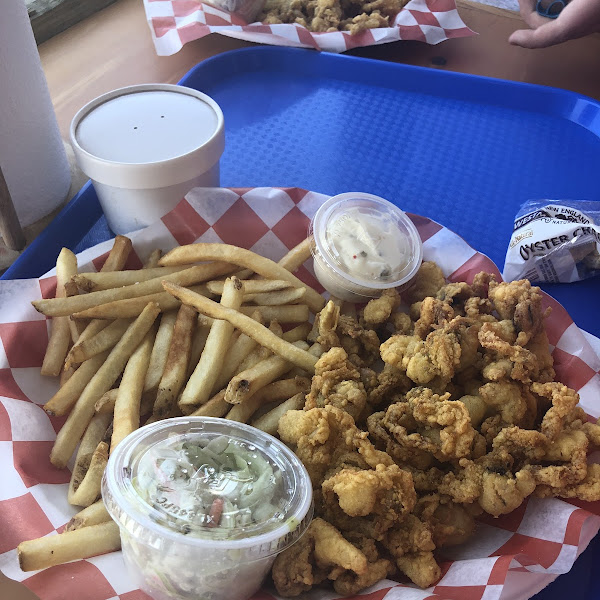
<point>142,145</point>
<point>362,245</point>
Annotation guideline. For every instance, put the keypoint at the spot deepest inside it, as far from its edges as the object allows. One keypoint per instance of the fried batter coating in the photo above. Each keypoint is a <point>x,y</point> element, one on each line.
<point>420,568</point>
<point>489,481</point>
<point>427,282</point>
<point>402,454</point>
<point>501,494</point>
<point>390,381</point>
<point>321,437</point>
<point>588,489</point>
<point>522,304</point>
<point>321,552</point>
<point>524,364</point>
<point>337,382</point>
<point>505,399</point>
<point>569,449</point>
<point>378,310</point>
<point>433,313</point>
<point>469,421</point>
<point>564,400</point>
<point>323,331</point>
<point>523,444</point>
<point>387,491</point>
<point>425,424</point>
<point>409,536</point>
<point>402,323</point>
<point>450,523</point>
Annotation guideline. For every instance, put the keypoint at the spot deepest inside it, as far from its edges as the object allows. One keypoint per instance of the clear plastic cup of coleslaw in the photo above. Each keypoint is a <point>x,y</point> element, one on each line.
<point>204,505</point>
<point>363,244</point>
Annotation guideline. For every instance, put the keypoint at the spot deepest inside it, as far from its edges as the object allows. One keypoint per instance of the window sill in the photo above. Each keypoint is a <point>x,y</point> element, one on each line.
<point>50,17</point>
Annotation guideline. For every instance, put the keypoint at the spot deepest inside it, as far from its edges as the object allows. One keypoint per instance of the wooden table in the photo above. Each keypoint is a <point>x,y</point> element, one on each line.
<point>113,48</point>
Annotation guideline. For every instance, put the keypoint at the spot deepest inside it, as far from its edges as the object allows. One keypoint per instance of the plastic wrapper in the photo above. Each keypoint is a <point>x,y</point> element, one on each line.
<point>554,241</point>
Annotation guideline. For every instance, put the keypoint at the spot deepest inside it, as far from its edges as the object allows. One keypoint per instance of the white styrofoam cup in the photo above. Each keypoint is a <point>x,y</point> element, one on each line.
<point>145,146</point>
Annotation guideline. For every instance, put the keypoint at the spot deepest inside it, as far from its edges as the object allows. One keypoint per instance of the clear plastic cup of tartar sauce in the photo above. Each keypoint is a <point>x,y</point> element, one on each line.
<point>204,505</point>
<point>362,245</point>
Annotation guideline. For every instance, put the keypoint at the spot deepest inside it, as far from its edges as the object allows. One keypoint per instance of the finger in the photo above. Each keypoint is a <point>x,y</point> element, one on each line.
<point>548,35</point>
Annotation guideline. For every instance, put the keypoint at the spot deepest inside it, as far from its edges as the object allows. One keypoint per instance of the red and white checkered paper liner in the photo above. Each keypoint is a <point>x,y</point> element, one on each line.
<point>174,23</point>
<point>509,558</point>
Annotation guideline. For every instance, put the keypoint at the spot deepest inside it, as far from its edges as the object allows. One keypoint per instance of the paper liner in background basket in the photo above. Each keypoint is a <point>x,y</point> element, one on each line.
<point>512,557</point>
<point>174,23</point>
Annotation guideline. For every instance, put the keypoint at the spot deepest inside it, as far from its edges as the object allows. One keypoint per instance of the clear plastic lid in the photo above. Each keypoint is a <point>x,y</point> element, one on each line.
<point>366,242</point>
<point>209,482</point>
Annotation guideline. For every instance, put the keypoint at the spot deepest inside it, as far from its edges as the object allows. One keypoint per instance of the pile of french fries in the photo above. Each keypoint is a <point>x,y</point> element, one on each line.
<point>199,331</point>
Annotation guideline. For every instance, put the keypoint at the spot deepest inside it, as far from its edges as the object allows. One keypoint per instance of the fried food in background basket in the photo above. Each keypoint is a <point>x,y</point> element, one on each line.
<point>464,418</point>
<point>332,15</point>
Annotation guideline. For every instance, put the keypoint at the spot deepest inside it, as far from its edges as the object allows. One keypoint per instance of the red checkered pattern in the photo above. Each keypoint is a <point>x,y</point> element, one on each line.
<point>174,23</point>
<point>541,539</point>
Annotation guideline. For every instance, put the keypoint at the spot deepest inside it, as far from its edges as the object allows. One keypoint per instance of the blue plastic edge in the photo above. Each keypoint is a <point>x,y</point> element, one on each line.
<point>73,222</point>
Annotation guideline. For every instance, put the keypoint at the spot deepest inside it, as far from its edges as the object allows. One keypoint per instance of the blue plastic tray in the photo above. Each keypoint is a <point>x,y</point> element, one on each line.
<point>463,150</point>
<point>466,151</point>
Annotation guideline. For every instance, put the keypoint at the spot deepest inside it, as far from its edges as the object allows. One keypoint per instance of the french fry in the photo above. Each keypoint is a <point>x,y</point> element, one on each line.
<point>247,383</point>
<point>118,255</point>
<point>198,343</point>
<point>132,307</point>
<point>270,420</point>
<point>251,286</point>
<point>246,325</point>
<point>93,282</point>
<point>66,374</point>
<point>60,334</point>
<point>127,405</point>
<point>178,358</point>
<point>158,358</point>
<point>116,260</point>
<point>259,353</point>
<point>88,490</point>
<point>288,313</point>
<point>106,403</point>
<point>236,354</point>
<point>93,514</point>
<point>297,333</point>
<point>200,384</point>
<point>68,394</point>
<point>217,406</point>
<point>92,437</point>
<point>103,340</point>
<point>297,256</point>
<point>244,258</point>
<point>72,430</point>
<point>71,545</point>
<point>153,258</point>
<point>278,391</point>
<point>70,269</point>
<point>279,297</point>
<point>56,307</point>
<point>90,331</point>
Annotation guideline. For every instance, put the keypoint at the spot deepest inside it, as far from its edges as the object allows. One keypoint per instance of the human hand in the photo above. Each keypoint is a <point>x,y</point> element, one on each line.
<point>577,19</point>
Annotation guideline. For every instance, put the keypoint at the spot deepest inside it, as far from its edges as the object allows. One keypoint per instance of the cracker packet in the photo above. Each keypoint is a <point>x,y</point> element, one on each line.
<point>554,241</point>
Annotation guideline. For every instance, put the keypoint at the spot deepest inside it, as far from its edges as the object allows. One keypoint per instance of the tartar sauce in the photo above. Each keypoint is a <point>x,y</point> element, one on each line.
<point>368,245</point>
<point>362,245</point>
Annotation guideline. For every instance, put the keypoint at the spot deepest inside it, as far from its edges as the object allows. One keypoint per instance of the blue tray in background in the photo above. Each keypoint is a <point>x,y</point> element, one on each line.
<point>464,150</point>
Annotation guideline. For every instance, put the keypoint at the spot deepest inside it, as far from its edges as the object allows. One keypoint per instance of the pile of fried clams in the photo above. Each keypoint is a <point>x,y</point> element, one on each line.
<point>332,15</point>
<point>463,418</point>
